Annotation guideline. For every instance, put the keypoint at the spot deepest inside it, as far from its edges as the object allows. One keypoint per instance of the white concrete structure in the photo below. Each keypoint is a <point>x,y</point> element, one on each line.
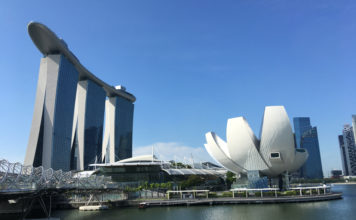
<point>272,155</point>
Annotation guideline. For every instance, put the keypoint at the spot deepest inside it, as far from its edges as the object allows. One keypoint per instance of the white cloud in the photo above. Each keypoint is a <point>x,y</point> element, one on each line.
<point>174,151</point>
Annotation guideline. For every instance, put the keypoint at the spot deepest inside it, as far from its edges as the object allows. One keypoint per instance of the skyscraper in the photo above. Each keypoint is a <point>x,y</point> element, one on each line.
<point>68,120</point>
<point>344,159</point>
<point>312,169</point>
<point>51,130</point>
<point>348,150</point>
<point>354,125</point>
<point>301,125</point>
<point>306,137</point>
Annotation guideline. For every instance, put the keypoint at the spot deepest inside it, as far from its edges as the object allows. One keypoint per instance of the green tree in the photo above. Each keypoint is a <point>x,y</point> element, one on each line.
<point>192,180</point>
<point>230,178</point>
<point>169,185</point>
<point>163,186</point>
<point>145,185</point>
<point>152,185</point>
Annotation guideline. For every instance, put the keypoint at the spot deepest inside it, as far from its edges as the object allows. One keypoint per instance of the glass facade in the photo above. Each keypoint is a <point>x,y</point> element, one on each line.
<point>255,181</point>
<point>62,114</point>
<point>94,121</point>
<point>123,128</point>
<point>312,168</point>
<point>306,137</point>
<point>88,124</point>
<point>134,174</point>
<point>74,152</point>
<point>301,125</point>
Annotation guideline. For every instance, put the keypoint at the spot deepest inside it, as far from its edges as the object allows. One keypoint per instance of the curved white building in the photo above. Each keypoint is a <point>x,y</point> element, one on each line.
<point>272,155</point>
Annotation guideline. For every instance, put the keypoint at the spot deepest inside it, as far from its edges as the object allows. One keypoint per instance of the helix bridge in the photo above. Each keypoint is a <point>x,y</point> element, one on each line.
<point>15,177</point>
<point>22,187</point>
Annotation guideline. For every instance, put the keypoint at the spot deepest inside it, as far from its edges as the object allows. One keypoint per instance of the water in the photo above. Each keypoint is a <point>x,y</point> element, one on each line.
<point>336,209</point>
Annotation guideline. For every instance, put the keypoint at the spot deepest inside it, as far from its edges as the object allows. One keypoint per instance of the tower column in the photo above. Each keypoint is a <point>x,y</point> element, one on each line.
<point>87,125</point>
<point>117,143</point>
<point>50,136</point>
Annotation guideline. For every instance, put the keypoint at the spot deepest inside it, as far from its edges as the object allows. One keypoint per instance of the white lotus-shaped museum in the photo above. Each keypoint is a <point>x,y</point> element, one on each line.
<point>273,154</point>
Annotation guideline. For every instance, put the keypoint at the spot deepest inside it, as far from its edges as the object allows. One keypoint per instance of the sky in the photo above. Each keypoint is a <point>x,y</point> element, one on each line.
<point>191,65</point>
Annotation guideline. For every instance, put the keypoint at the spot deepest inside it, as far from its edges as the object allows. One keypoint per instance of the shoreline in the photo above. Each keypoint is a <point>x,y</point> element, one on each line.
<point>208,201</point>
<point>5,209</point>
<point>352,183</point>
<point>236,201</point>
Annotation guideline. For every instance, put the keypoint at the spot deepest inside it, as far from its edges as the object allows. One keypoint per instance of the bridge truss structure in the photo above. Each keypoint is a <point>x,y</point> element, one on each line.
<point>17,177</point>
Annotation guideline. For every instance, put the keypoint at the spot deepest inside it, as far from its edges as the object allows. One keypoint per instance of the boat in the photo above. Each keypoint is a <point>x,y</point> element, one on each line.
<point>142,205</point>
<point>93,207</point>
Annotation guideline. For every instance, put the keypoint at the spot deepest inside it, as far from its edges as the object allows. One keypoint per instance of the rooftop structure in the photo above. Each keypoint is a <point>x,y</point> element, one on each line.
<point>48,43</point>
<point>147,168</point>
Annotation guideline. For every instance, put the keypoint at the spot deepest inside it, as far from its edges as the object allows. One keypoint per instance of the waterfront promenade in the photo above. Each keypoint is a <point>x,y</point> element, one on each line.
<point>324,210</point>
<point>225,201</point>
<point>205,201</point>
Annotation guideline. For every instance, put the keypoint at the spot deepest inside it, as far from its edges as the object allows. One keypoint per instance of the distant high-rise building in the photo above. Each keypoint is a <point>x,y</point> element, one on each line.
<point>306,137</point>
<point>301,125</point>
<point>354,126</point>
<point>312,169</point>
<point>348,150</point>
<point>343,155</point>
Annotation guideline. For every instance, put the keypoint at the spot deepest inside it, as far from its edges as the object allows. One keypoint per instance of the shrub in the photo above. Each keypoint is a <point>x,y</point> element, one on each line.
<point>269,193</point>
<point>226,194</point>
<point>240,194</point>
<point>212,195</point>
<point>290,193</point>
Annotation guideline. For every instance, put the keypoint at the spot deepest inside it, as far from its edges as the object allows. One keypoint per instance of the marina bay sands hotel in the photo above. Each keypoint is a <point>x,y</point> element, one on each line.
<point>67,129</point>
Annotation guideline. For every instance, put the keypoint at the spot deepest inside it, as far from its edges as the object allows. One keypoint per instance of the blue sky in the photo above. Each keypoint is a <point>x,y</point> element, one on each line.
<point>192,65</point>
